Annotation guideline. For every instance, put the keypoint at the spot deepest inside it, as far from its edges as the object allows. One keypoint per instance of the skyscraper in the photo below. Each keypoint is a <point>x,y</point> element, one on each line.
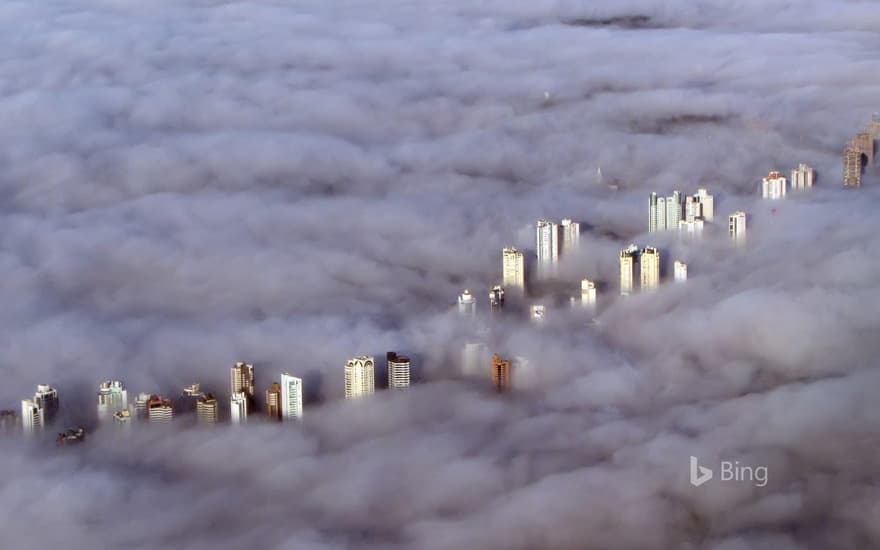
<point>242,377</point>
<point>238,407</point>
<point>496,299</point>
<point>292,395</point>
<point>359,377</point>
<point>397,369</point>
<point>501,375</point>
<point>737,226</point>
<point>112,397</point>
<point>802,177</point>
<point>707,204</point>
<point>571,236</point>
<point>159,410</point>
<point>273,401</point>
<point>681,271</point>
<point>31,417</point>
<point>207,409</point>
<point>547,247</point>
<point>46,398</point>
<point>649,263</point>
<point>628,259</point>
<point>140,406</point>
<point>654,205</point>
<point>513,270</point>
<point>588,293</point>
<point>467,304</point>
<point>673,210</point>
<point>773,186</point>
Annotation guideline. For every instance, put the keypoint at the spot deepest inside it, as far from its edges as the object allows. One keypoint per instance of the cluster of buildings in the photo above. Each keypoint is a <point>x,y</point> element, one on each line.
<point>283,400</point>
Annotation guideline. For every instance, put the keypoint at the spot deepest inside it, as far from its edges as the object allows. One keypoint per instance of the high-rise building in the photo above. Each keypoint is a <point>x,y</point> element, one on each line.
<point>673,210</point>
<point>359,377</point>
<point>571,236</point>
<point>547,247</point>
<point>46,398</point>
<point>242,377</point>
<point>207,409</point>
<point>649,267</point>
<point>773,186</point>
<point>397,369</point>
<point>501,375</point>
<point>802,177</point>
<point>112,397</point>
<point>537,312</point>
<point>692,228</point>
<point>513,270</point>
<point>32,419</point>
<point>656,213</point>
<point>707,204</point>
<point>628,260</point>
<point>737,226</point>
<point>467,304</point>
<point>692,210</point>
<point>681,271</point>
<point>292,395</point>
<point>140,406</point>
<point>238,407</point>
<point>273,401</point>
<point>496,299</point>
<point>588,293</point>
<point>159,410</point>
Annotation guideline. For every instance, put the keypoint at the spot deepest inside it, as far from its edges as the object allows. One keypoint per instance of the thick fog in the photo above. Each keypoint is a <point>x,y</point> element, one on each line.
<point>185,184</point>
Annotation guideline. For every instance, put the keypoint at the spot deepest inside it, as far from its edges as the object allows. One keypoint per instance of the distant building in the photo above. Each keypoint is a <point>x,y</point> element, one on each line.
<point>737,226</point>
<point>588,293</point>
<point>628,259</point>
<point>537,312</point>
<point>32,420</point>
<point>238,407</point>
<point>649,266</point>
<point>571,236</point>
<point>673,210</point>
<point>112,397</point>
<point>467,304</point>
<point>71,437</point>
<point>681,271</point>
<point>140,406</point>
<point>189,399</point>
<point>706,204</point>
<point>773,186</point>
<point>496,299</point>
<point>159,410</point>
<point>242,381</point>
<point>513,270</point>
<point>273,401</point>
<point>207,410</point>
<point>475,358</point>
<point>852,166</point>
<point>692,228</point>
<point>359,377</point>
<point>397,370</point>
<point>802,177</point>
<point>292,396</point>
<point>656,213</point>
<point>501,374</point>
<point>46,398</point>
<point>122,418</point>
<point>547,247</point>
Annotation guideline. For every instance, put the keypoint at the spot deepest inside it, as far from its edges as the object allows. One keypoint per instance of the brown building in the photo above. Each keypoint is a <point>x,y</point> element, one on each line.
<point>501,378</point>
<point>273,401</point>
<point>207,410</point>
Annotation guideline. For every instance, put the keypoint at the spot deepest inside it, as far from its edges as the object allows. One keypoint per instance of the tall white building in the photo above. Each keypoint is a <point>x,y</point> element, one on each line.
<point>692,228</point>
<point>692,210</point>
<point>397,369</point>
<point>112,397</point>
<point>496,299</point>
<point>681,271</point>
<point>802,177</point>
<point>31,417</point>
<point>571,236</point>
<point>737,226</point>
<point>46,398</point>
<point>292,396</point>
<point>649,268</point>
<point>359,377</point>
<point>628,260</point>
<point>467,304</point>
<point>588,293</point>
<point>656,213</point>
<point>773,186</point>
<point>547,247</point>
<point>513,270</point>
<point>238,407</point>
<point>673,210</point>
<point>707,204</point>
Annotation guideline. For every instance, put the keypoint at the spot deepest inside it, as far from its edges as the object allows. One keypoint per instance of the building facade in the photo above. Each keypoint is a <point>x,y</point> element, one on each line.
<point>238,407</point>
<point>359,377</point>
<point>513,270</point>
<point>207,410</point>
<point>628,260</point>
<point>292,396</point>
<point>737,226</point>
<point>112,397</point>
<point>398,370</point>
<point>467,304</point>
<point>681,271</point>
<point>802,177</point>
<point>273,401</point>
<point>773,186</point>
<point>649,268</point>
<point>501,374</point>
<point>571,236</point>
<point>546,247</point>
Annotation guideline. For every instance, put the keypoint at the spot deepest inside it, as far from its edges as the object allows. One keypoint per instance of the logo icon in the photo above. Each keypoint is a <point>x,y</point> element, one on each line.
<point>699,474</point>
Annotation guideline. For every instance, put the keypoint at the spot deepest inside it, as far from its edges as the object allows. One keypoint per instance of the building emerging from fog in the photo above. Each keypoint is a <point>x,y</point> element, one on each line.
<point>238,407</point>
<point>773,186</point>
<point>359,377</point>
<point>737,226</point>
<point>46,398</point>
<point>501,374</point>
<point>802,177</point>
<point>496,299</point>
<point>242,381</point>
<point>397,370</point>
<point>207,410</point>
<point>112,397</point>
<point>292,396</point>
<point>571,236</point>
<point>546,247</point>
<point>537,312</point>
<point>681,271</point>
<point>664,213</point>
<point>31,417</point>
<point>513,270</point>
<point>649,268</point>
<point>273,401</point>
<point>588,293</point>
<point>705,205</point>
<point>467,304</point>
<point>628,260</point>
<point>159,410</point>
